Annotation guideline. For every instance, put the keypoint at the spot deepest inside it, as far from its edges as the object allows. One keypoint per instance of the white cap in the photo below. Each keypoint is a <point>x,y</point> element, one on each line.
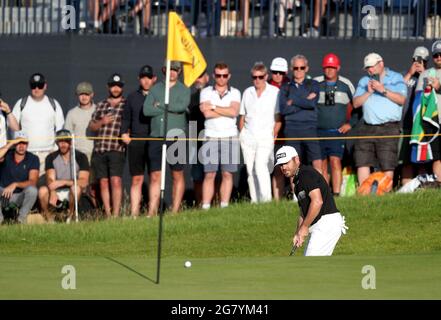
<point>284,154</point>
<point>372,59</point>
<point>20,135</point>
<point>421,52</point>
<point>279,64</point>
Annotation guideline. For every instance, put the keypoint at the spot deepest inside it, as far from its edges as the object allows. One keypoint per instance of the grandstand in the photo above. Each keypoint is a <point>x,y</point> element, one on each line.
<point>372,19</point>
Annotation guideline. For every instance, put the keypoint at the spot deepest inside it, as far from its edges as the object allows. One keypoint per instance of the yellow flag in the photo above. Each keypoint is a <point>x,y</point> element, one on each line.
<point>182,47</point>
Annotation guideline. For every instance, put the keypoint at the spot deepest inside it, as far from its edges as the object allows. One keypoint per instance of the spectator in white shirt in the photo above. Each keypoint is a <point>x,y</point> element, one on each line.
<point>7,120</point>
<point>39,117</point>
<point>256,125</point>
<point>220,106</point>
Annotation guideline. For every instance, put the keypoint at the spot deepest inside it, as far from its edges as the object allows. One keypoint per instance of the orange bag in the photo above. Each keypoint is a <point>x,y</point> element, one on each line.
<point>384,184</point>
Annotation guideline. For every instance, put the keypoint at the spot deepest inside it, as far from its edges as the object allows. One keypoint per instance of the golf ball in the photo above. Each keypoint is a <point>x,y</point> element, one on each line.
<point>187,264</point>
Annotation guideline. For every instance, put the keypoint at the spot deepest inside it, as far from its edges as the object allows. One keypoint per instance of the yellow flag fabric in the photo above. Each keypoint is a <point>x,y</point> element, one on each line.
<point>182,47</point>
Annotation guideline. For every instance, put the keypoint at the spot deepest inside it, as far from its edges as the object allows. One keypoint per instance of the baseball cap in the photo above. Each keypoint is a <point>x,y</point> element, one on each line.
<point>84,88</point>
<point>63,135</point>
<point>37,78</point>
<point>436,47</point>
<point>115,79</point>
<point>284,154</point>
<point>146,71</point>
<point>372,59</point>
<point>421,52</point>
<point>21,135</point>
<point>279,64</point>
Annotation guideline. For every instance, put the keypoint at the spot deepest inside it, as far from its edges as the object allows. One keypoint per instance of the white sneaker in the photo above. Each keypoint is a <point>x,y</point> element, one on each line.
<point>68,220</point>
<point>311,33</point>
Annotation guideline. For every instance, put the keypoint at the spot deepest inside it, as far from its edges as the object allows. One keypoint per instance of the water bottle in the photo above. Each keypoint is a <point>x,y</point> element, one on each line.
<point>374,187</point>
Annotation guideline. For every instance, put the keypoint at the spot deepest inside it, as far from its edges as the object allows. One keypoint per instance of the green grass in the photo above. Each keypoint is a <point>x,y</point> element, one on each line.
<point>237,253</point>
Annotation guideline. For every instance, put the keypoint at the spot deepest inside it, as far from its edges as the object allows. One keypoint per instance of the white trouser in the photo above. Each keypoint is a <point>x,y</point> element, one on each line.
<point>325,234</point>
<point>259,159</point>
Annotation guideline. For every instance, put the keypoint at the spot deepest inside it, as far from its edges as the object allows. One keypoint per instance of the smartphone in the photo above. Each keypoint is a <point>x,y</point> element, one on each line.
<point>375,77</point>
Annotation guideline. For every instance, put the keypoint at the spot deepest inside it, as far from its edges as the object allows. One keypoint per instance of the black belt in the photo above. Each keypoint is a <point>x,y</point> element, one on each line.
<point>382,124</point>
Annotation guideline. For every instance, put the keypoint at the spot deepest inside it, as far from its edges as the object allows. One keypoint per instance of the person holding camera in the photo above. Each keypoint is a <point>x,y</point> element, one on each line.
<point>108,155</point>
<point>334,117</point>
<point>419,65</point>
<point>382,94</point>
<point>18,179</point>
<point>431,78</point>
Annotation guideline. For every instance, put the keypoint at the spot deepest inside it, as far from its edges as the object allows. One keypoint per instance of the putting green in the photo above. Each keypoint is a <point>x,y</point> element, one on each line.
<point>337,277</point>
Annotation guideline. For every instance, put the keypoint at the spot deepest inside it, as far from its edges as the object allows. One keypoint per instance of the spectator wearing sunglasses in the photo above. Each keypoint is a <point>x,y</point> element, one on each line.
<point>279,76</point>
<point>335,118</point>
<point>136,125</point>
<point>109,152</point>
<point>39,117</point>
<point>418,65</point>
<point>432,77</point>
<point>298,105</point>
<point>220,105</point>
<point>257,131</point>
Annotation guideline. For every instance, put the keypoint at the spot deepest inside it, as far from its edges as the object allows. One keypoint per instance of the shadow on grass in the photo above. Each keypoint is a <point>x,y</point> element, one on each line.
<point>131,269</point>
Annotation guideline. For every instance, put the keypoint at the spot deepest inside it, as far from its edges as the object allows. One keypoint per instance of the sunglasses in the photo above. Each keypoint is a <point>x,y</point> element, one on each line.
<point>37,85</point>
<point>278,72</point>
<point>258,77</point>
<point>116,84</point>
<point>437,55</point>
<point>225,76</point>
<point>299,68</point>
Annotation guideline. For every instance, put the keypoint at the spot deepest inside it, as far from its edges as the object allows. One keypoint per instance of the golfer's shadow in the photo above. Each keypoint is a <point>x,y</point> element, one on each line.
<point>130,269</point>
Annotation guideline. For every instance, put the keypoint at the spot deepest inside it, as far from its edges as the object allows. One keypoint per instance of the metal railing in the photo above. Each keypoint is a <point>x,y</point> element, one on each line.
<point>374,19</point>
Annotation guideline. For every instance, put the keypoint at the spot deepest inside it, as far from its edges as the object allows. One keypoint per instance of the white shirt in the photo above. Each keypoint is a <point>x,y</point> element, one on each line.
<point>221,127</point>
<point>260,111</point>
<point>39,121</point>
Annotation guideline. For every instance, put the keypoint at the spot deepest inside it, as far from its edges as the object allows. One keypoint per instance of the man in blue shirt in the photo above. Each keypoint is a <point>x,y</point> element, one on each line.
<point>381,94</point>
<point>298,107</point>
<point>19,171</point>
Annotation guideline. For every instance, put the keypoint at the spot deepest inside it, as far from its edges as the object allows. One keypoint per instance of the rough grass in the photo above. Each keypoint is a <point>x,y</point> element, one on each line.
<point>392,224</point>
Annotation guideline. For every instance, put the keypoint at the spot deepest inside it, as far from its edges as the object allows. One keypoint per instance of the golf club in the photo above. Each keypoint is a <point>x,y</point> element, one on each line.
<point>293,250</point>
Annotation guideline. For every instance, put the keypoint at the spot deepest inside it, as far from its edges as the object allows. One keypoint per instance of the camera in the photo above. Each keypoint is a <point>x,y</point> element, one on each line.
<point>62,205</point>
<point>9,209</point>
<point>330,98</point>
<point>418,59</point>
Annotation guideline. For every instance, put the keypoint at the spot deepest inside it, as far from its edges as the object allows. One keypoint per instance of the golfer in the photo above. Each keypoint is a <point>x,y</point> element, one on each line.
<point>319,215</point>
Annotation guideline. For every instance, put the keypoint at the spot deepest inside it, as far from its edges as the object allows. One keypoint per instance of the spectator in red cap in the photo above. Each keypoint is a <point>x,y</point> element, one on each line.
<point>334,117</point>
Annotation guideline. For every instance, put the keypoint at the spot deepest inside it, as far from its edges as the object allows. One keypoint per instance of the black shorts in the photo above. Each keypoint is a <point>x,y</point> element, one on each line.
<point>138,154</point>
<point>155,155</point>
<point>108,164</point>
<point>382,150</point>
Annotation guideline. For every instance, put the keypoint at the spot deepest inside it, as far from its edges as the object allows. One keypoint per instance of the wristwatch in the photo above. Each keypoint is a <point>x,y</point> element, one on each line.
<point>384,92</point>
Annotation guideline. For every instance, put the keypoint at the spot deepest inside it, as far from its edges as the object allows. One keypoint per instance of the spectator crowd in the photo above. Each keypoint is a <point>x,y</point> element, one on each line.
<point>52,161</point>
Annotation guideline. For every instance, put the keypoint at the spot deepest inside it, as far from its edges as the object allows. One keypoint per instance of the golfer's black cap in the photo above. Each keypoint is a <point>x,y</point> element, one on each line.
<point>63,135</point>
<point>115,80</point>
<point>146,71</point>
<point>37,78</point>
